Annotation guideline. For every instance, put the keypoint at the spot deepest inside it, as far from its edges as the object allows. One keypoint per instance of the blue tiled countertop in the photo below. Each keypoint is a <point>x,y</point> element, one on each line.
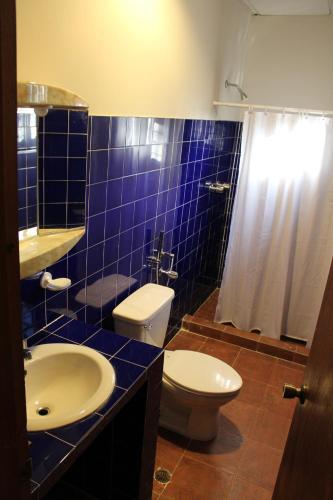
<point>130,360</point>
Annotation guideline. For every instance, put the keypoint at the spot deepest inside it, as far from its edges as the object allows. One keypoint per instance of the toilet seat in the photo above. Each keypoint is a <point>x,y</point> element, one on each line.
<point>200,373</point>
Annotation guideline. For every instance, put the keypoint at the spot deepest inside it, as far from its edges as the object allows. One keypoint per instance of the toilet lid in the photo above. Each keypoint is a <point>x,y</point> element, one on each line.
<point>198,372</point>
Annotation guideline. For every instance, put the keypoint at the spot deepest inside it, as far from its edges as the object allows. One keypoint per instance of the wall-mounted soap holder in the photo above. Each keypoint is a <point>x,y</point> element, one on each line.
<point>55,285</point>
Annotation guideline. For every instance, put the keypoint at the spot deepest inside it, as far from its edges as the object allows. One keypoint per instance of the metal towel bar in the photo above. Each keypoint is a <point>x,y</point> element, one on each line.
<point>217,187</point>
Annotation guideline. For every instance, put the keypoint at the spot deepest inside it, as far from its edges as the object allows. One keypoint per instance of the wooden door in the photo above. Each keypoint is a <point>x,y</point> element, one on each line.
<point>14,477</point>
<point>306,471</point>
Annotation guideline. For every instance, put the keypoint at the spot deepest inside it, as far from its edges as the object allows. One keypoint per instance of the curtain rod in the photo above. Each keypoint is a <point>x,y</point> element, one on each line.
<point>318,112</point>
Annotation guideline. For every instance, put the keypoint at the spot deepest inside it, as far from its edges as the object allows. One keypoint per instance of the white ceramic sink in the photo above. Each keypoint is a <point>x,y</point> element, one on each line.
<point>65,383</point>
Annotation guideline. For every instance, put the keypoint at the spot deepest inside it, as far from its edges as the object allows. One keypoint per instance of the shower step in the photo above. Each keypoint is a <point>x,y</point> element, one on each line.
<point>281,349</point>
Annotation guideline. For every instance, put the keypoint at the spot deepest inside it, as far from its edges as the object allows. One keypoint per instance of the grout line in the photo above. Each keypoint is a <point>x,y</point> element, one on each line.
<point>60,439</point>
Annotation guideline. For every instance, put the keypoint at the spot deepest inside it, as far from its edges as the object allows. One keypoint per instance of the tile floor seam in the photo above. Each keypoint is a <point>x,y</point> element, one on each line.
<point>176,467</point>
<point>203,344</point>
<point>237,355</point>
<point>244,478</point>
<point>219,467</point>
<point>263,442</point>
<point>280,450</point>
<point>239,475</point>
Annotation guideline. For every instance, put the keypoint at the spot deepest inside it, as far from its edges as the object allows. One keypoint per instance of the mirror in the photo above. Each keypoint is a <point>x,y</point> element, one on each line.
<point>52,155</point>
<point>27,169</point>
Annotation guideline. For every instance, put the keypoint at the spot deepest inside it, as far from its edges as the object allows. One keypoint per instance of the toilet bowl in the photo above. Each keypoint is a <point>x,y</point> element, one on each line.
<point>194,384</point>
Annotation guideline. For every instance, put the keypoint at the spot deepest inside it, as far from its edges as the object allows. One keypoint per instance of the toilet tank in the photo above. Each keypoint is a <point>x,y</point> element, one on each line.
<point>144,315</point>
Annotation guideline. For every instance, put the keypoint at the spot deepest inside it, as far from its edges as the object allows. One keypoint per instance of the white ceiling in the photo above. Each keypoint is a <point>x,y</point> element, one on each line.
<point>290,7</point>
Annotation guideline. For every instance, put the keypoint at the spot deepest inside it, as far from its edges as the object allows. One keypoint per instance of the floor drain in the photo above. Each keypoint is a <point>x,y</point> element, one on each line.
<point>44,410</point>
<point>162,476</point>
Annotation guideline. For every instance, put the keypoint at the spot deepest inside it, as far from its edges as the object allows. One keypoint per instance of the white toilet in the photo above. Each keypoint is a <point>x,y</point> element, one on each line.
<point>195,385</point>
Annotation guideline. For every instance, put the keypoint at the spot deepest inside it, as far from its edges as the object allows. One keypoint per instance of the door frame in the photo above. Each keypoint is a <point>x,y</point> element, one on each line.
<point>14,470</point>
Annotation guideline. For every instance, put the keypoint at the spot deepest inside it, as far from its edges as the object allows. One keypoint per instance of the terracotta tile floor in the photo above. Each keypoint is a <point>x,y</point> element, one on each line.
<point>242,462</point>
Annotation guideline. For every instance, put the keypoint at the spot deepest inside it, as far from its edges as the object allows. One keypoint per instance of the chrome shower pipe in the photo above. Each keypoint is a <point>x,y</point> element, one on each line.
<point>242,94</point>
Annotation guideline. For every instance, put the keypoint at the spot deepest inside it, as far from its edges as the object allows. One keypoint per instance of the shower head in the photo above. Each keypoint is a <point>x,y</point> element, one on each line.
<point>242,94</point>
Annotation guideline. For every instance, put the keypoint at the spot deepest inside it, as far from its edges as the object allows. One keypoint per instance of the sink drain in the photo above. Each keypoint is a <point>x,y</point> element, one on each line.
<point>42,411</point>
<point>162,475</point>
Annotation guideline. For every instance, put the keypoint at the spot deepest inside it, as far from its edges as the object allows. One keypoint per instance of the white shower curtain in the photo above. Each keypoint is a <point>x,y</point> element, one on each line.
<point>281,237</point>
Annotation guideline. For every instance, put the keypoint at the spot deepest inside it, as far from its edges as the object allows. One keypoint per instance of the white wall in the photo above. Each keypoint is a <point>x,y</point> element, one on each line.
<point>234,27</point>
<point>125,57</point>
<point>290,61</point>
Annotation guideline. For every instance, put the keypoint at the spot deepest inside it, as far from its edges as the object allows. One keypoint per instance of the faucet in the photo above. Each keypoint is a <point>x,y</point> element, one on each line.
<point>26,351</point>
<point>155,260</point>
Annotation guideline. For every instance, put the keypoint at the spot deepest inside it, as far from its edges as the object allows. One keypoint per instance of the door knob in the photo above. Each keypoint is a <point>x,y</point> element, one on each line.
<point>290,392</point>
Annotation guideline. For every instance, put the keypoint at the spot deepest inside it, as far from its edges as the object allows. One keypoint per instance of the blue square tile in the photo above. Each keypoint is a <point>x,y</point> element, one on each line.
<point>187,130</point>
<point>136,262</point>
<point>95,258</point>
<point>143,158</point>
<point>75,214</point>
<point>56,120</point>
<point>55,215</point>
<point>55,169</point>
<point>153,182</point>
<point>114,193</point>
<point>77,169</point>
<point>116,395</point>
<point>77,146</point>
<point>133,131</point>
<point>129,189</point>
<point>139,353</point>
<point>73,433</point>
<point>78,122</point>
<point>138,236</point>
<point>162,202</point>
<point>98,166</point>
<point>139,212</point>
<point>52,338</point>
<point>127,216</point>
<point>151,207</point>
<point>124,266</point>
<point>97,198</point>
<point>112,223</point>
<point>43,445</point>
<point>57,324</point>
<point>76,191</point>
<point>111,250</point>
<point>126,373</point>
<point>116,163</point>
<point>118,132</point>
<point>106,342</point>
<point>55,144</point>
<point>31,176</point>
<point>96,228</point>
<point>22,178</point>
<point>131,160</point>
<point>125,243</point>
<point>146,125</point>
<point>76,298</point>
<point>100,132</point>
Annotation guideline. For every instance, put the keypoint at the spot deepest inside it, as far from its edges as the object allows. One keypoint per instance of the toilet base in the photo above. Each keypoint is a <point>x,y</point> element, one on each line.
<point>201,425</point>
<point>189,416</point>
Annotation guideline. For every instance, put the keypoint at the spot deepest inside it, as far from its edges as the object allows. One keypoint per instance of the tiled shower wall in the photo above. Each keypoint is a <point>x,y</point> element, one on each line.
<point>146,175</point>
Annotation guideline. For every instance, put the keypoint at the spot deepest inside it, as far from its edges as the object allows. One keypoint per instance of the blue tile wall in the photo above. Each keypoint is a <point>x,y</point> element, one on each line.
<point>62,152</point>
<point>146,175</point>
<point>27,168</point>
